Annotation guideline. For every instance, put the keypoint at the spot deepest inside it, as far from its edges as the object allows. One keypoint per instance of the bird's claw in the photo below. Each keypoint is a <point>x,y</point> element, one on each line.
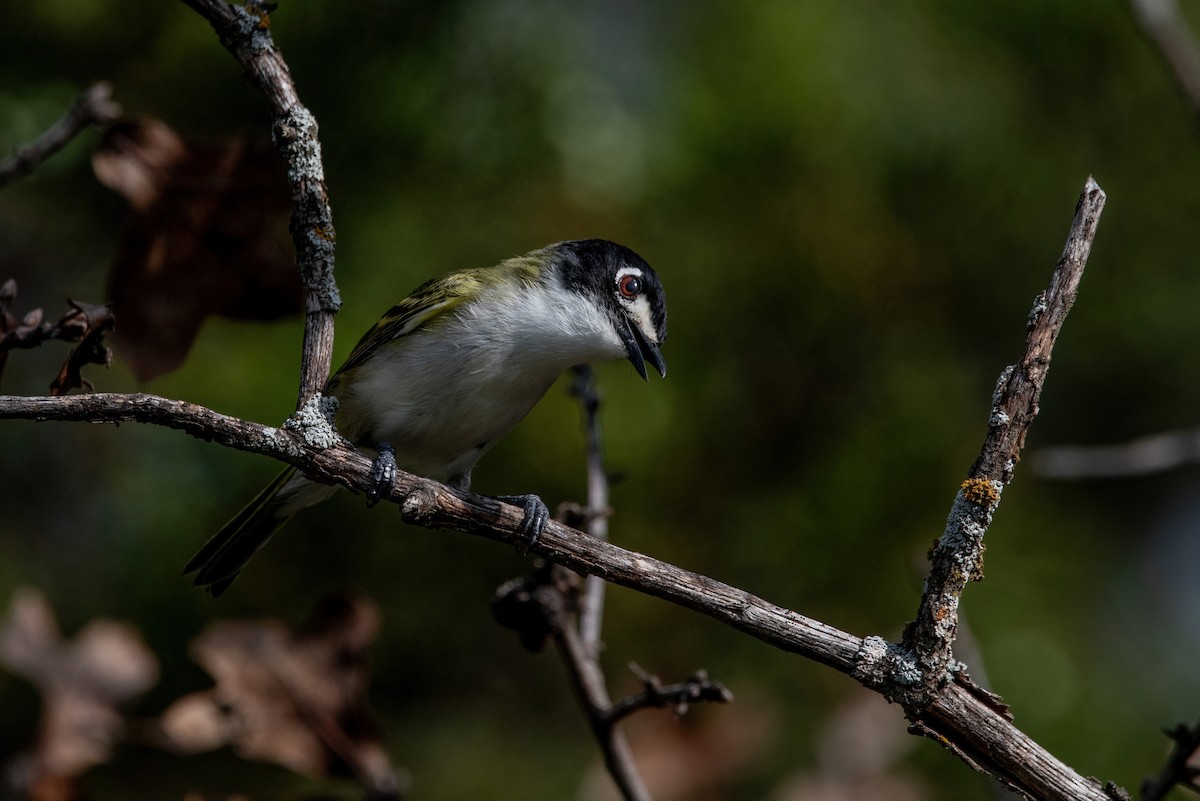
<point>383,473</point>
<point>537,515</point>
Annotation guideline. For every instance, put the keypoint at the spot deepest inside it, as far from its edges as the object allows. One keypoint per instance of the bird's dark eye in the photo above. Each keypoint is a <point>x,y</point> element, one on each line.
<point>630,286</point>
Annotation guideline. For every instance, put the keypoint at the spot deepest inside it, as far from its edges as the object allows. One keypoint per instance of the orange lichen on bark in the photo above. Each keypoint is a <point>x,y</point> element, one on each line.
<point>980,491</point>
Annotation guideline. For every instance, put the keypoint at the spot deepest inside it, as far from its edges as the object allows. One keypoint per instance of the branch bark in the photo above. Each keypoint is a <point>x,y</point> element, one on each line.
<point>245,33</point>
<point>591,611</point>
<point>579,641</point>
<point>957,557</point>
<point>94,106</point>
<point>678,696</point>
<point>958,715</point>
<point>590,687</point>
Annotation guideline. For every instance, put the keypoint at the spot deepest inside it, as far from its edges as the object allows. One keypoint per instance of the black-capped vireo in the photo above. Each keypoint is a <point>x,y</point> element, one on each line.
<point>455,366</point>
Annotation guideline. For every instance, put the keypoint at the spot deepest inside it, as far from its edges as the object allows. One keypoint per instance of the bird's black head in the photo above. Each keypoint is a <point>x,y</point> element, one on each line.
<point>628,287</point>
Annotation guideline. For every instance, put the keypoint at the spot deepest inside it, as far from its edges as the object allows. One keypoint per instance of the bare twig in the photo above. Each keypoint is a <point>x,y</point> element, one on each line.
<point>657,695</point>
<point>580,648</point>
<point>245,33</point>
<point>591,605</point>
<point>94,106</point>
<point>587,679</point>
<point>541,607</point>
<point>549,605</point>
<point>958,556</point>
<point>1165,27</point>
<point>1157,453</point>
<point>1178,769</point>
<point>958,714</point>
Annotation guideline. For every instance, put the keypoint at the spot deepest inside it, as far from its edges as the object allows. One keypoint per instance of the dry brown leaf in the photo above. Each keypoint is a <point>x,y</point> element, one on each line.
<point>207,235</point>
<point>83,682</point>
<point>96,322</point>
<point>85,323</point>
<point>295,698</point>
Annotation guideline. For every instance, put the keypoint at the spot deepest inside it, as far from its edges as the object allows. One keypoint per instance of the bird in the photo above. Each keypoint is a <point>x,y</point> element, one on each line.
<point>448,371</point>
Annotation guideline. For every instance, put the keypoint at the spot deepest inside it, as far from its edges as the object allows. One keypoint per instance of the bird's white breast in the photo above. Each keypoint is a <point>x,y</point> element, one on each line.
<point>444,394</point>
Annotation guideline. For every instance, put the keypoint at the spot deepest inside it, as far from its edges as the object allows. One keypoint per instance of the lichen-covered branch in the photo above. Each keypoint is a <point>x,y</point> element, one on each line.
<point>245,33</point>
<point>94,106</point>
<point>957,558</point>
<point>427,503</point>
<point>958,714</point>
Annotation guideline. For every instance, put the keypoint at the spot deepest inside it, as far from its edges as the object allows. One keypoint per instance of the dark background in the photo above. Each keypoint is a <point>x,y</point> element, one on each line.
<point>851,205</point>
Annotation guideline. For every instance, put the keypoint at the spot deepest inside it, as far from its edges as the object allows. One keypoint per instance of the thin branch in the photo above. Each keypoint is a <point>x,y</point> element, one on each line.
<point>549,605</point>
<point>1156,453</point>
<point>94,106</point>
<point>588,682</point>
<point>543,607</point>
<point>427,503</point>
<point>245,33</point>
<point>959,714</point>
<point>1165,28</point>
<point>957,558</point>
<point>591,606</point>
<point>678,696</point>
<point>1178,769</point>
<point>578,641</point>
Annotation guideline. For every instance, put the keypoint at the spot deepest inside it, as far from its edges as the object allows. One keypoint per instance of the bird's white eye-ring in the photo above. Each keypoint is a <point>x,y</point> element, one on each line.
<point>629,285</point>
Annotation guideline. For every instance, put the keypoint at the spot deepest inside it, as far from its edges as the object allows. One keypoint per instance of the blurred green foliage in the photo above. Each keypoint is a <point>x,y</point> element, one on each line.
<point>851,205</point>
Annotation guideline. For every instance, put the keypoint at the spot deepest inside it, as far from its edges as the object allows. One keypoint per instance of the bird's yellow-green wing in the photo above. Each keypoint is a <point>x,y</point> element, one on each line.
<point>426,303</point>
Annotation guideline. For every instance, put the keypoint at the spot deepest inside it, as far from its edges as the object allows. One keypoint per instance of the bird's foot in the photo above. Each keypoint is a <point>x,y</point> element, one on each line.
<point>383,473</point>
<point>536,516</point>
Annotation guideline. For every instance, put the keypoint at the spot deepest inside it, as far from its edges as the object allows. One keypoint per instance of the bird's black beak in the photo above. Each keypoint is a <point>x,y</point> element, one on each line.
<point>640,350</point>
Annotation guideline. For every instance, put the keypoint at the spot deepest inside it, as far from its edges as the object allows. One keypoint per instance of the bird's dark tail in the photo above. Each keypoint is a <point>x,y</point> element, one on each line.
<point>219,560</point>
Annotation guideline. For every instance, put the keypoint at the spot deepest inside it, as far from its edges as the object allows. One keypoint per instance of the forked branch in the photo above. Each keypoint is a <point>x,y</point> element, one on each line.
<point>920,672</point>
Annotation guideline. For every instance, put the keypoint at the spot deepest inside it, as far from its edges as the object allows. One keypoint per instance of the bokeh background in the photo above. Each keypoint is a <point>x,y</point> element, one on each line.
<point>851,205</point>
